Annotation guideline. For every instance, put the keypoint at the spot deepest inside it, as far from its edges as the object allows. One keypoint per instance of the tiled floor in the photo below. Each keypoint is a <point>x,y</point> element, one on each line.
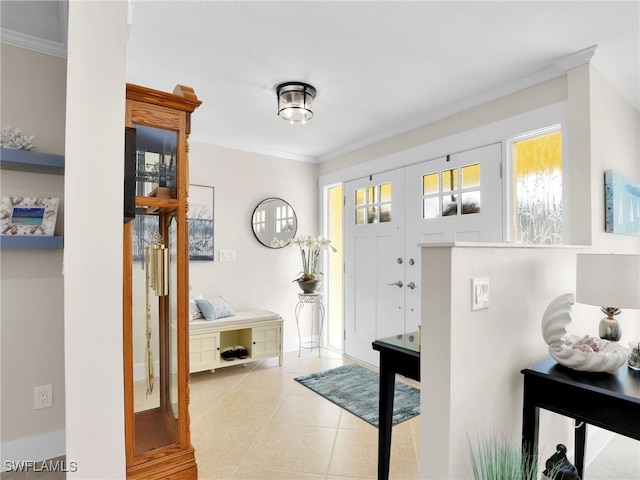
<point>620,460</point>
<point>258,423</point>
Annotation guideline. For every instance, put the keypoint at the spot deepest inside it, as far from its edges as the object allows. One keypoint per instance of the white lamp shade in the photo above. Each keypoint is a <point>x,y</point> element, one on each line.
<point>608,280</point>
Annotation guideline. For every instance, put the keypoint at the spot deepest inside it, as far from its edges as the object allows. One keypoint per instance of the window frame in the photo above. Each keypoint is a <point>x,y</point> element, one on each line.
<point>508,179</point>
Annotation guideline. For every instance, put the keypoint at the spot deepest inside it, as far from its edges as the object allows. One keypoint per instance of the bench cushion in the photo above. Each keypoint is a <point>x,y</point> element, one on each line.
<point>249,316</point>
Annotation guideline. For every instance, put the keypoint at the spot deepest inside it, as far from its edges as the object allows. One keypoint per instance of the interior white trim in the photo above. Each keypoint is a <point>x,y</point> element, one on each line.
<point>209,140</point>
<point>37,448</point>
<point>467,140</point>
<point>576,59</point>
<point>35,44</point>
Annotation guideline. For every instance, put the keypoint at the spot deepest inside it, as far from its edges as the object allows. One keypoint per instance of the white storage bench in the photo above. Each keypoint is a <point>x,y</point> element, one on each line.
<point>259,331</point>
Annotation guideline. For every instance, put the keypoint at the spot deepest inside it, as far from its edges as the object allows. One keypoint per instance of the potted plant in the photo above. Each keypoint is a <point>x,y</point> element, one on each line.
<point>310,277</point>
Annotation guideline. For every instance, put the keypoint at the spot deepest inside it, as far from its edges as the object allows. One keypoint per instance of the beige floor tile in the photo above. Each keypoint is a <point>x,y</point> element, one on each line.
<point>354,453</point>
<point>313,411</point>
<point>257,423</point>
<point>404,457</point>
<point>252,473</point>
<point>403,428</point>
<point>308,363</point>
<point>620,460</point>
<point>350,421</point>
<point>223,439</point>
<point>272,380</point>
<point>248,406</point>
<point>299,389</point>
<point>335,477</point>
<point>215,471</point>
<point>292,448</point>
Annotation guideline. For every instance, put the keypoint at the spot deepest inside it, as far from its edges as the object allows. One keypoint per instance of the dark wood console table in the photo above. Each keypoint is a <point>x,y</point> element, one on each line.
<point>398,354</point>
<point>609,401</point>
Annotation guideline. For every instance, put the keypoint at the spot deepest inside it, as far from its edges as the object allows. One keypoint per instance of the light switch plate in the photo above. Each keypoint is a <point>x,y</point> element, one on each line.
<point>480,293</point>
<point>227,255</point>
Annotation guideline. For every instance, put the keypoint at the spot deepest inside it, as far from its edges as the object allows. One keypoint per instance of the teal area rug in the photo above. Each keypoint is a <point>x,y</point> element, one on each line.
<point>356,389</point>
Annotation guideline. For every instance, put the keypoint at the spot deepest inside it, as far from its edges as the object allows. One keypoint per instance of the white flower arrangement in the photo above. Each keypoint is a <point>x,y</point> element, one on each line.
<point>310,248</point>
<point>14,138</point>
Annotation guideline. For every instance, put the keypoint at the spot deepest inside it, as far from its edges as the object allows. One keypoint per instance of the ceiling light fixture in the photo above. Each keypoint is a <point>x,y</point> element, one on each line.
<point>295,101</point>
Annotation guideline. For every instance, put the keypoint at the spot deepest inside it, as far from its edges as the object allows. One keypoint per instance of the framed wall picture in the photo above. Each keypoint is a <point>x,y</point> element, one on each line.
<point>200,216</point>
<point>31,216</point>
<point>622,204</point>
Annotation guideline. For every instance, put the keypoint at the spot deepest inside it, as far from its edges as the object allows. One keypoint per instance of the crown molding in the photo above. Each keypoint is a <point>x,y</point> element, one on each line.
<point>205,139</point>
<point>590,55</point>
<point>575,59</point>
<point>35,44</point>
<point>594,56</point>
<point>624,85</point>
<point>451,109</point>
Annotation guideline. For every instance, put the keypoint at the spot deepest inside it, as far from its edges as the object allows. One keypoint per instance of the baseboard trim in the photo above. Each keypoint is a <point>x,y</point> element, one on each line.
<point>37,448</point>
<point>293,345</point>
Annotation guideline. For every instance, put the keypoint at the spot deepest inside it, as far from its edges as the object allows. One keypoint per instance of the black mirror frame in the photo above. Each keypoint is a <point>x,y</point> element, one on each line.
<point>254,232</point>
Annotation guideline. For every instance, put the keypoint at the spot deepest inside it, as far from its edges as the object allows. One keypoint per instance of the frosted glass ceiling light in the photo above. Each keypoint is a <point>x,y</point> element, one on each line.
<point>295,101</point>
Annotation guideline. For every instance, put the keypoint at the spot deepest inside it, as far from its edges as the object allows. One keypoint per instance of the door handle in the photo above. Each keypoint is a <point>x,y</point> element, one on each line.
<point>411,285</point>
<point>397,284</point>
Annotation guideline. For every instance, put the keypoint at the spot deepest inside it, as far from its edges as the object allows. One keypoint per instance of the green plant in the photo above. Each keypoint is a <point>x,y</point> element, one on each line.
<point>495,458</point>
<point>310,254</point>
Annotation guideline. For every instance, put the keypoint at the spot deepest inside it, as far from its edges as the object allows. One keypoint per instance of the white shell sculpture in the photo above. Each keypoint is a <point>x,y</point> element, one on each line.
<point>556,317</point>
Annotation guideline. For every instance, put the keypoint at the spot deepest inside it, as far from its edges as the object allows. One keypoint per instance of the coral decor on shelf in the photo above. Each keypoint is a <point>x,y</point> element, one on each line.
<point>14,138</point>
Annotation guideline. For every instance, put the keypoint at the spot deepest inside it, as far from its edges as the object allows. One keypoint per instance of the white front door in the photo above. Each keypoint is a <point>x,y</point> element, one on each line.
<point>453,198</point>
<point>386,216</point>
<point>374,262</point>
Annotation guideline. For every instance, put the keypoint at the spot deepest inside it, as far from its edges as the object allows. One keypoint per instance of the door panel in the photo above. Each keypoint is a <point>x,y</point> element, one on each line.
<point>480,223</point>
<point>454,198</point>
<point>374,240</point>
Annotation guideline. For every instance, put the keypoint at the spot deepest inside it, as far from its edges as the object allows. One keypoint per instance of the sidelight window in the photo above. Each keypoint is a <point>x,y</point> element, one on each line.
<point>537,187</point>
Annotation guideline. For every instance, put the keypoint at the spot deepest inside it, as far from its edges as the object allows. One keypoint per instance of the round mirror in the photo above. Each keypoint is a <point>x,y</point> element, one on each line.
<point>274,223</point>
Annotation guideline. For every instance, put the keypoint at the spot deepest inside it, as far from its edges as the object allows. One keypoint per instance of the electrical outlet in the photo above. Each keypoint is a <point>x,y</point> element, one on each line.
<point>42,396</point>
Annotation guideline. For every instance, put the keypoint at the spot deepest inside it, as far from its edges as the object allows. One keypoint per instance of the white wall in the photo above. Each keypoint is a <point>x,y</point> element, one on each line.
<point>506,338</point>
<point>93,239</point>
<point>615,145</point>
<point>260,277</point>
<point>501,341</point>
<point>31,293</point>
<point>533,98</point>
<point>471,360</point>
<point>33,96</point>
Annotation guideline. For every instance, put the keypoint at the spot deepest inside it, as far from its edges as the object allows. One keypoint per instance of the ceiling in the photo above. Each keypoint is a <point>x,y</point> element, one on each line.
<point>380,68</point>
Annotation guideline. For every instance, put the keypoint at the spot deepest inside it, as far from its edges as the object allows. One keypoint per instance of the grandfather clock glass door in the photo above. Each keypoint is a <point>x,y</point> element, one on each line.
<point>155,287</point>
<point>156,370</point>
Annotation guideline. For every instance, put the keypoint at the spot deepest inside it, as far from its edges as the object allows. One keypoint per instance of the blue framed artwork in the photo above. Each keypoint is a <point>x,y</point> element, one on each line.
<point>622,204</point>
<point>200,222</point>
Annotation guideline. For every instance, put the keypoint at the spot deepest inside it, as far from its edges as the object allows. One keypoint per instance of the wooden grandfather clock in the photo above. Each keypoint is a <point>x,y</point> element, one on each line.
<point>156,285</point>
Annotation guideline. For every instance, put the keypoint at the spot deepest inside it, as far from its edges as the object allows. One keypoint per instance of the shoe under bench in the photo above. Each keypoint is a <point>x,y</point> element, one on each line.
<point>259,331</point>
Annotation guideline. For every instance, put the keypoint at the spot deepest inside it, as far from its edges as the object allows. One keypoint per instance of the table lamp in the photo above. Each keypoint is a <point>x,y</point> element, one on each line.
<point>612,282</point>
